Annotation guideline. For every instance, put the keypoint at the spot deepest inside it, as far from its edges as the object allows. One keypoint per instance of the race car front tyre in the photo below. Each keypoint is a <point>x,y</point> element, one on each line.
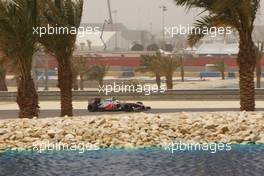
<point>128,108</point>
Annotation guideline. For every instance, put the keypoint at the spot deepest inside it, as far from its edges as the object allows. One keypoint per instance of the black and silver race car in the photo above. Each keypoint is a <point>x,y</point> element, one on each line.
<point>99,105</point>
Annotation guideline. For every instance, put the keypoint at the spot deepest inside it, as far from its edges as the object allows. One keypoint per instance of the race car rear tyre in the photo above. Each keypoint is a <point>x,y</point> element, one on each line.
<point>92,108</point>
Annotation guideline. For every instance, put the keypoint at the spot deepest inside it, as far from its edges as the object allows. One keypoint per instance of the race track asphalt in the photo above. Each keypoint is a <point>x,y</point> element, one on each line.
<point>12,114</point>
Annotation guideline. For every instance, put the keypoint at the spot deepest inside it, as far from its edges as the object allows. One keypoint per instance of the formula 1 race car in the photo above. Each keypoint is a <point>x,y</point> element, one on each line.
<point>99,105</point>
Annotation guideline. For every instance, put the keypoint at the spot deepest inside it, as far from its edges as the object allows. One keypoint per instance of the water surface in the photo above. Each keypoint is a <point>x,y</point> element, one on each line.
<point>240,161</point>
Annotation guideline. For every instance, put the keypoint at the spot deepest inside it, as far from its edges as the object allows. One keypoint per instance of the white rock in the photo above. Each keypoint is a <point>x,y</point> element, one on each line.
<point>3,131</point>
<point>135,129</point>
<point>19,135</point>
<point>51,132</point>
<point>69,137</point>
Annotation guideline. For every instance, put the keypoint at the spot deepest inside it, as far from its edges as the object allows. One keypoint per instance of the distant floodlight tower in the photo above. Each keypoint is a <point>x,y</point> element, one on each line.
<point>110,12</point>
<point>116,27</point>
<point>106,21</point>
<point>163,9</point>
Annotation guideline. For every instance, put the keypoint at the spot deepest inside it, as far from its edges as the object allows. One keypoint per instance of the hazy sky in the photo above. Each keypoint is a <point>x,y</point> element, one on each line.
<point>139,14</point>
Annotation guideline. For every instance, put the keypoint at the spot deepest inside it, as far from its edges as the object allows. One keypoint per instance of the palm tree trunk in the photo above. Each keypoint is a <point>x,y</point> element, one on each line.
<point>101,82</point>
<point>223,75</point>
<point>260,50</point>
<point>182,70</point>
<point>158,80</point>
<point>246,63</point>
<point>258,73</point>
<point>75,82</point>
<point>81,82</point>
<point>65,85</point>
<point>3,86</point>
<point>27,97</point>
<point>169,82</point>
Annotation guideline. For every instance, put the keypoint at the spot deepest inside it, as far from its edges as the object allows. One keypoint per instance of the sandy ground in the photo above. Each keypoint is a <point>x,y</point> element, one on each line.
<point>55,105</point>
<point>190,83</point>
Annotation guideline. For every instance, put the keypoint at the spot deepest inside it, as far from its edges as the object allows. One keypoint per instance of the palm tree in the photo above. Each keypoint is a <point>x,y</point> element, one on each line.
<point>260,53</point>
<point>149,63</point>
<point>221,67</point>
<point>168,65</point>
<point>79,67</point>
<point>64,14</point>
<point>182,68</point>
<point>240,15</point>
<point>75,75</point>
<point>17,19</point>
<point>160,66</point>
<point>97,72</point>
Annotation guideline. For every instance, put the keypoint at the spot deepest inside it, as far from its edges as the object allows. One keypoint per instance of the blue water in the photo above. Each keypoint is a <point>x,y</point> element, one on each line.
<point>240,161</point>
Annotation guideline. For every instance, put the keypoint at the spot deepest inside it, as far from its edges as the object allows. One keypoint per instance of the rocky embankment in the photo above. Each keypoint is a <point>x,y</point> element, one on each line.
<point>134,130</point>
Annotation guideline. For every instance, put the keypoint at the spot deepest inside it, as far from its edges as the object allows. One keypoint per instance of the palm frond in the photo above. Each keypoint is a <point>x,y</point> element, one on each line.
<point>17,18</point>
<point>235,13</point>
<point>149,63</point>
<point>97,72</point>
<point>204,4</point>
<point>208,22</point>
<point>66,15</point>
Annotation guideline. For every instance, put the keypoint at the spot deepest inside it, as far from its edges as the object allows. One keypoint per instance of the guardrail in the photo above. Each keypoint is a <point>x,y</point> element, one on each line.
<point>194,95</point>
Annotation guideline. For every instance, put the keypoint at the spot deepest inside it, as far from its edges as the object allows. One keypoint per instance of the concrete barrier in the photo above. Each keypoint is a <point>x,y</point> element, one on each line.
<point>193,95</point>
